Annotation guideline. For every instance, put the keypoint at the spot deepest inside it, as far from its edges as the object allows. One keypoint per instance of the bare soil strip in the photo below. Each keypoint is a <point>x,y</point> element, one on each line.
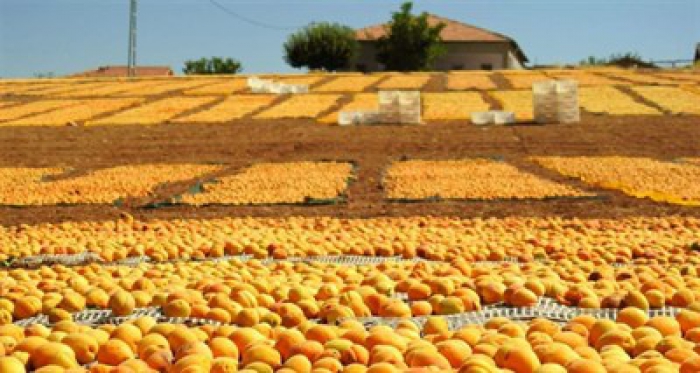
<point>373,148</point>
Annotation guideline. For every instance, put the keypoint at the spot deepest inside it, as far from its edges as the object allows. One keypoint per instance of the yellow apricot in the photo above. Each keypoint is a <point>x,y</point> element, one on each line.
<point>585,366</point>
<point>122,303</point>
<point>517,358</point>
<point>114,352</point>
<point>634,317</point>
<point>455,351</point>
<point>9,364</point>
<point>223,347</point>
<point>53,353</point>
<point>84,346</point>
<point>224,365</point>
<point>263,354</point>
<point>298,363</point>
<point>435,325</point>
<point>151,341</point>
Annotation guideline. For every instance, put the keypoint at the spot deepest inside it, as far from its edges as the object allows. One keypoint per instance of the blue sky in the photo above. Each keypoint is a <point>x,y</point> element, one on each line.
<point>66,36</point>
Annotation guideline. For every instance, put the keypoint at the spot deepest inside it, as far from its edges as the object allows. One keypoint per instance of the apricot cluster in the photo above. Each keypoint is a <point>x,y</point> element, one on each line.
<point>663,181</point>
<point>612,101</point>
<point>463,80</point>
<point>641,240</point>
<point>156,112</point>
<point>632,343</point>
<point>275,183</point>
<point>300,106</point>
<point>404,81</point>
<point>348,84</point>
<point>290,293</point>
<point>30,186</point>
<point>452,105</point>
<point>674,99</point>
<point>477,179</point>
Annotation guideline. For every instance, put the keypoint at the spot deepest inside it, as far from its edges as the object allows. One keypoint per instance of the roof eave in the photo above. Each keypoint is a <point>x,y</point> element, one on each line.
<point>519,52</point>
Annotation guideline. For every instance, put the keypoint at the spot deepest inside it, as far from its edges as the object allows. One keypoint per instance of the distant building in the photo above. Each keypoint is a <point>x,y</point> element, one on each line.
<point>697,53</point>
<point>468,48</point>
<point>123,71</point>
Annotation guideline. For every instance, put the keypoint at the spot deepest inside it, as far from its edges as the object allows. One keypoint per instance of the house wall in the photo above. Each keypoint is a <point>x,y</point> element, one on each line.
<point>459,56</point>
<point>513,61</point>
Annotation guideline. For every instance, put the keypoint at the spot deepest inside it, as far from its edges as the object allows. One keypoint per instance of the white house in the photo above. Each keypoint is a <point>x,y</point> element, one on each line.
<point>468,48</point>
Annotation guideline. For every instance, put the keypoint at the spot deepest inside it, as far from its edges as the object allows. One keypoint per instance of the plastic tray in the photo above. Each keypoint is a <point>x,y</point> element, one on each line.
<point>343,259</point>
<point>63,259</point>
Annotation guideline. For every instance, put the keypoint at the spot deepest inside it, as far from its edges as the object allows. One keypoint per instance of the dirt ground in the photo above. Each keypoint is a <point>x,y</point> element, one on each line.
<point>373,148</point>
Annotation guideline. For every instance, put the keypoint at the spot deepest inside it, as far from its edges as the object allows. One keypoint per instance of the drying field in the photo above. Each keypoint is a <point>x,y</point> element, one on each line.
<point>186,225</point>
<point>452,96</point>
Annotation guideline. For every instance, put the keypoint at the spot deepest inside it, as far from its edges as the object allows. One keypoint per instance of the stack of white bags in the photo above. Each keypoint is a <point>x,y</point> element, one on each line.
<point>497,117</point>
<point>556,101</point>
<point>553,101</point>
<point>358,117</point>
<point>400,107</point>
<point>395,107</point>
<point>258,85</point>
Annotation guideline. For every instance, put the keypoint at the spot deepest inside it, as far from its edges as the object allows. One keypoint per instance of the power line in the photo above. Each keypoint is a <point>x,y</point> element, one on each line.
<point>249,20</point>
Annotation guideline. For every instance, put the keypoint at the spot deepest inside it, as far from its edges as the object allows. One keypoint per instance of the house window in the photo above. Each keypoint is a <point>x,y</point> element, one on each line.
<point>458,67</point>
<point>486,66</point>
<point>361,67</point>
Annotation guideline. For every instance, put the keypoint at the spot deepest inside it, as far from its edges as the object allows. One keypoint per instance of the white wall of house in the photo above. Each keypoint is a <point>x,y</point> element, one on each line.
<point>459,56</point>
<point>513,61</point>
<point>473,56</point>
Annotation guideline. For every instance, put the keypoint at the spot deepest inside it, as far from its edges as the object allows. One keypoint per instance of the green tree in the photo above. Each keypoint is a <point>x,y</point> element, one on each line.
<point>410,42</point>
<point>321,46</point>
<point>629,59</point>
<point>214,65</point>
<point>593,61</point>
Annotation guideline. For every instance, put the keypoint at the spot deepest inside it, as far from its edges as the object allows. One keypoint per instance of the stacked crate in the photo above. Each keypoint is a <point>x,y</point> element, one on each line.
<point>556,101</point>
<point>400,107</point>
<point>409,107</point>
<point>258,85</point>
<point>395,107</point>
<point>567,102</point>
<point>544,100</point>
<point>389,108</point>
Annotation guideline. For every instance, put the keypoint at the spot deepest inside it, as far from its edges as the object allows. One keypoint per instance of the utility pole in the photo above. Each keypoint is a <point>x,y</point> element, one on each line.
<point>132,40</point>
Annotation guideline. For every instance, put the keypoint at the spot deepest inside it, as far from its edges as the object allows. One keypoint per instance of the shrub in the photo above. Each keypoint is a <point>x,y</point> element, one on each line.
<point>410,43</point>
<point>321,46</point>
<point>214,65</point>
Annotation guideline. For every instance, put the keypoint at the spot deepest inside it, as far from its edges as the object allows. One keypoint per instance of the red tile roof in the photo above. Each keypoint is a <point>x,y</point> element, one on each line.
<point>123,71</point>
<point>453,31</point>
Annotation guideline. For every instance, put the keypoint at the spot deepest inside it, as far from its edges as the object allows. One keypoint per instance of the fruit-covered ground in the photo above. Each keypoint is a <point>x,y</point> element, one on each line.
<point>273,244</point>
